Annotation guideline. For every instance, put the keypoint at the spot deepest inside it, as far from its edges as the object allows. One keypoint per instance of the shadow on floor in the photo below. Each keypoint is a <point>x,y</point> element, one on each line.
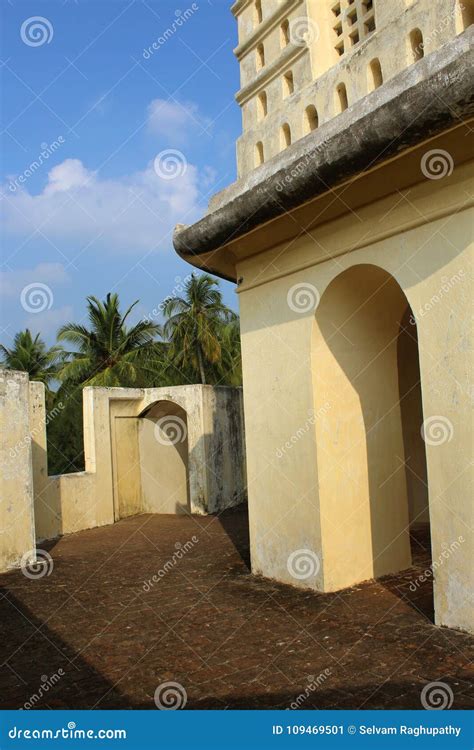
<point>60,679</point>
<point>415,585</point>
<point>235,523</point>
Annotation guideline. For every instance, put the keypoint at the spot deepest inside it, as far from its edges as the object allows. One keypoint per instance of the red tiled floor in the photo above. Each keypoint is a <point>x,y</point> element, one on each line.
<point>230,639</point>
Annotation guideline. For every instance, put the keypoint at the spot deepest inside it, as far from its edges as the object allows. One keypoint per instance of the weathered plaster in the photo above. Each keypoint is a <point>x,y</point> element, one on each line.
<point>17,532</point>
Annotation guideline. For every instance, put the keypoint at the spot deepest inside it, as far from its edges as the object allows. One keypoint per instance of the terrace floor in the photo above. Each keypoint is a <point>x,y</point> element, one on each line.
<point>229,639</point>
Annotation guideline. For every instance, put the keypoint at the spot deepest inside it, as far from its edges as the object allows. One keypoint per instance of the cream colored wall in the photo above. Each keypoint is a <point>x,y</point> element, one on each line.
<point>424,241</point>
<point>319,69</point>
<point>70,502</point>
<point>362,491</point>
<point>411,407</point>
<point>164,459</point>
<point>17,533</point>
<point>126,472</point>
<point>128,486</point>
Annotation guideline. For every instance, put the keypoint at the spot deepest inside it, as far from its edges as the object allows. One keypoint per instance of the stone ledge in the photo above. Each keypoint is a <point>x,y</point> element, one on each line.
<point>427,98</point>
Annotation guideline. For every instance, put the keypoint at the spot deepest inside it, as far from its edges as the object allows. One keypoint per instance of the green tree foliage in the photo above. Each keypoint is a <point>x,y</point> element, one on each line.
<point>31,355</point>
<point>108,353</point>
<point>199,342</point>
<point>197,328</point>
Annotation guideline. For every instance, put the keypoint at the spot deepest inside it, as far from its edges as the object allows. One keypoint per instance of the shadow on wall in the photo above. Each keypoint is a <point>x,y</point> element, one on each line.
<point>360,354</point>
<point>183,453</point>
<point>168,460</point>
<point>44,498</point>
<point>164,460</point>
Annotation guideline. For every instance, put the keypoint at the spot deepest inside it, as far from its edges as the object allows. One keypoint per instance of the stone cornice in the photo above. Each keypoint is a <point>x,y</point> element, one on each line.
<point>265,27</point>
<point>428,98</point>
<point>288,56</point>
<point>239,6</point>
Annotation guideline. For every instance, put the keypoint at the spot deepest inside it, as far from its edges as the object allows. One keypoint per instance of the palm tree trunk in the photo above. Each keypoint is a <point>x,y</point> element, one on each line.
<point>201,365</point>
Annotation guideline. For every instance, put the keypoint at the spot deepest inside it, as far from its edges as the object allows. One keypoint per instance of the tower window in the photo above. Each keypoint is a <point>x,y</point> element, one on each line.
<point>258,15</point>
<point>288,84</point>
<point>352,23</point>
<point>259,156</point>
<point>285,33</point>
<point>417,45</point>
<point>375,74</point>
<point>260,52</point>
<point>355,38</point>
<point>285,136</point>
<point>341,97</point>
<point>262,105</point>
<point>311,119</point>
<point>369,26</point>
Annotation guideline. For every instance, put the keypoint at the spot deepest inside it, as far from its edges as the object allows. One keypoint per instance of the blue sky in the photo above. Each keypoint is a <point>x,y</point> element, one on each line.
<point>90,112</point>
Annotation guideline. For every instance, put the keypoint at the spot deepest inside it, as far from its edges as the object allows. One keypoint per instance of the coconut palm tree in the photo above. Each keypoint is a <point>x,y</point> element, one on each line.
<point>230,367</point>
<point>194,326</point>
<point>108,353</point>
<point>31,355</point>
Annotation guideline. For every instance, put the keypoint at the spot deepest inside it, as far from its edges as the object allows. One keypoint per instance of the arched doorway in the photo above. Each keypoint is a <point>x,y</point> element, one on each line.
<point>164,459</point>
<point>370,454</point>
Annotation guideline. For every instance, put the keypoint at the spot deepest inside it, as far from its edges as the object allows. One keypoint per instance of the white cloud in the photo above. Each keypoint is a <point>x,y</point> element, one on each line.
<point>47,323</point>
<point>133,213</point>
<point>70,174</point>
<point>12,282</point>
<point>175,120</point>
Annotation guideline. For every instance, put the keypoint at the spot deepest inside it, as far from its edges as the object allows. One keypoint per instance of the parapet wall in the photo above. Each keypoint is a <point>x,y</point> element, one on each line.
<point>17,532</point>
<point>157,450</point>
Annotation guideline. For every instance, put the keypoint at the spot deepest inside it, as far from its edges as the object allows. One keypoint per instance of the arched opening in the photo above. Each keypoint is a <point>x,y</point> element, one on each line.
<point>285,33</point>
<point>163,450</point>
<point>285,136</point>
<point>262,108</point>
<point>259,154</point>
<point>417,47</point>
<point>342,101</point>
<point>257,12</point>
<point>260,52</point>
<point>311,119</point>
<point>375,74</point>
<point>288,84</point>
<point>465,13</point>
<point>370,453</point>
